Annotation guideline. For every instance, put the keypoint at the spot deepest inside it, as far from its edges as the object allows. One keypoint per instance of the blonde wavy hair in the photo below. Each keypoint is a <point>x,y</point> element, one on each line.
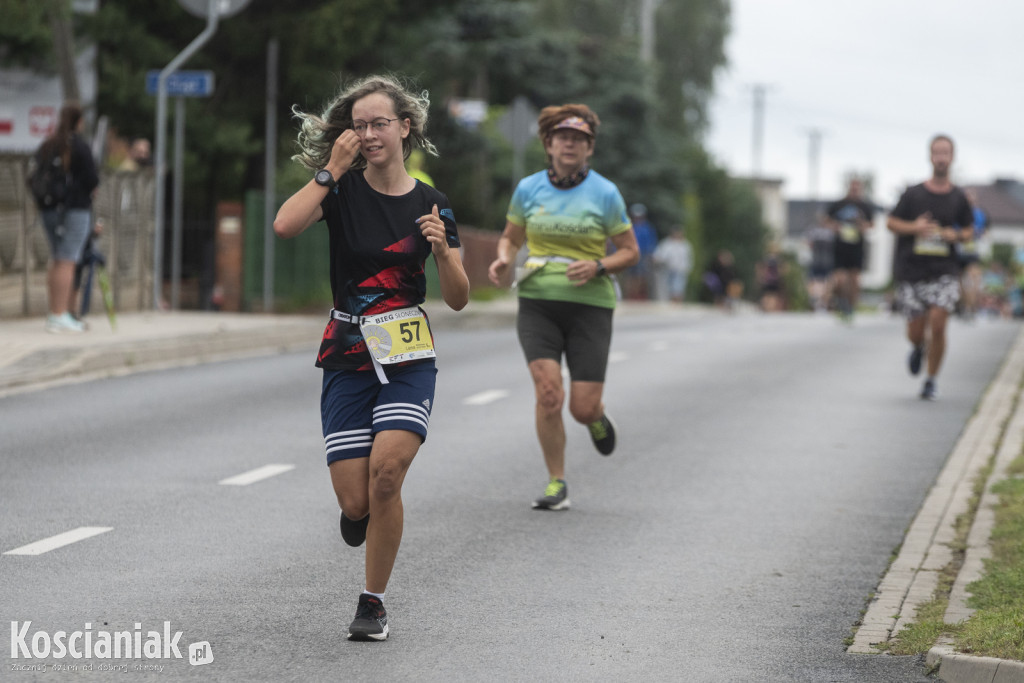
<point>318,133</point>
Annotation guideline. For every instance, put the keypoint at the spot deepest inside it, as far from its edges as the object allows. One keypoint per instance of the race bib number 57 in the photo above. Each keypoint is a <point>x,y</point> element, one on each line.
<point>398,336</point>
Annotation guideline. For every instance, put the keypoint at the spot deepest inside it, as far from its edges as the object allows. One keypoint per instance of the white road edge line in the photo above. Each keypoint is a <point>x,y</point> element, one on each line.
<point>485,397</point>
<point>60,540</point>
<point>258,474</point>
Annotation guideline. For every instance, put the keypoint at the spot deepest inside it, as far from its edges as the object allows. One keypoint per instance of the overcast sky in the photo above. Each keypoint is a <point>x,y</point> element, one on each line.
<point>878,78</point>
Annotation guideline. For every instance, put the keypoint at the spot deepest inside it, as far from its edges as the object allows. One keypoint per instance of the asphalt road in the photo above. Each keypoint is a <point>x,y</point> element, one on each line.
<point>767,468</point>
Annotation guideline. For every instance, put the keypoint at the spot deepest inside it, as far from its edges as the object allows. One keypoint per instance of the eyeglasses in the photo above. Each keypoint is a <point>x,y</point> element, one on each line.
<point>378,124</point>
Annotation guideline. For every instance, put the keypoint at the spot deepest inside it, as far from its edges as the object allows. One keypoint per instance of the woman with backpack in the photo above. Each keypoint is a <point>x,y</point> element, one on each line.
<point>63,183</point>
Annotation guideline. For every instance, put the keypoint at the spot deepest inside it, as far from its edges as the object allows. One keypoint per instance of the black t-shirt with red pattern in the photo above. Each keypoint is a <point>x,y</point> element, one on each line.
<point>377,258</point>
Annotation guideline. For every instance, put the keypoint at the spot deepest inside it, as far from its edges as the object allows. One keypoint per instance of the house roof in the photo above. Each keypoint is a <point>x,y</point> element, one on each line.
<point>801,215</point>
<point>1003,201</point>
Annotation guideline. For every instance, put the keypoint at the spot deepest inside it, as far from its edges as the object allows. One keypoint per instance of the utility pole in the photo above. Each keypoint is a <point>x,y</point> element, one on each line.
<point>813,167</point>
<point>760,89</point>
<point>647,10</point>
<point>64,46</point>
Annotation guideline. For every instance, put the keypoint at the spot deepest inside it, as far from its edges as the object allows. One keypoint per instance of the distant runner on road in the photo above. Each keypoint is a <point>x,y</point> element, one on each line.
<point>929,219</point>
<point>850,217</point>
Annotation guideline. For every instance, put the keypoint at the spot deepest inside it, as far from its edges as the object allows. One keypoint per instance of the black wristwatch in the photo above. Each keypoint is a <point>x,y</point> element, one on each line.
<point>324,177</point>
<point>601,270</point>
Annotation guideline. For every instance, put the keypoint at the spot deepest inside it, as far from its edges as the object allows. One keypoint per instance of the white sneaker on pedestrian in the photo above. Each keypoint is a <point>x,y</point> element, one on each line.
<point>59,324</point>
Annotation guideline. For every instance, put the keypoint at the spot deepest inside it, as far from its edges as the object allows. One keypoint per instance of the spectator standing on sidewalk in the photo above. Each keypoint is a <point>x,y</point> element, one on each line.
<point>69,222</point>
<point>377,351</point>
<point>640,278</point>
<point>673,260</point>
<point>565,215</point>
<point>929,220</point>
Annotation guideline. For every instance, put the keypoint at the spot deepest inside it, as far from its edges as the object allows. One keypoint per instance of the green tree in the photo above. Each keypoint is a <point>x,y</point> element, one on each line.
<point>551,51</point>
<point>25,37</point>
<point>729,218</point>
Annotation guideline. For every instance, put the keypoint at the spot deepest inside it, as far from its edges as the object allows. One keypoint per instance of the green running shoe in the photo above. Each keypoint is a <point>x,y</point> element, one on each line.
<point>556,497</point>
<point>602,433</point>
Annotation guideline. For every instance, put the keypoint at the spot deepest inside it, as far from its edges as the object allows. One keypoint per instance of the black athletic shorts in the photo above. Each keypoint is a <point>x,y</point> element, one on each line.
<point>849,256</point>
<point>547,329</point>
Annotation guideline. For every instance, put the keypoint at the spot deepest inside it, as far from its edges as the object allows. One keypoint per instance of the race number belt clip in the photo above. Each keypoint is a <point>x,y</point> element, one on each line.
<point>533,264</point>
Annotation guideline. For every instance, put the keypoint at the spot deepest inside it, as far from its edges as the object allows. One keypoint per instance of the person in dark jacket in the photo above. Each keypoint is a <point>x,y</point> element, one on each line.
<point>69,223</point>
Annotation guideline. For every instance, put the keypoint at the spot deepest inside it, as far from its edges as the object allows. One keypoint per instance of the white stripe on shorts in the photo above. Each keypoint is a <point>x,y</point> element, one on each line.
<point>354,438</point>
<point>407,412</point>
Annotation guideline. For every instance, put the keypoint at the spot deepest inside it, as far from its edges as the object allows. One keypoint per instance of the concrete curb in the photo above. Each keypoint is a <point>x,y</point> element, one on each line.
<point>34,360</point>
<point>912,578</point>
<point>960,668</point>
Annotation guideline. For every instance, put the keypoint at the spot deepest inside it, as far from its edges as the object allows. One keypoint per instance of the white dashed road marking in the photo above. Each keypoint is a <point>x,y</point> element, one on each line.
<point>258,474</point>
<point>617,356</point>
<point>485,397</point>
<point>60,540</point>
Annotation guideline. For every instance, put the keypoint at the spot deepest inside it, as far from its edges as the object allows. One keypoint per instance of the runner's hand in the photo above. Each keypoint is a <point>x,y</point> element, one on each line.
<point>497,270</point>
<point>925,225</point>
<point>344,152</point>
<point>579,272</point>
<point>433,229</point>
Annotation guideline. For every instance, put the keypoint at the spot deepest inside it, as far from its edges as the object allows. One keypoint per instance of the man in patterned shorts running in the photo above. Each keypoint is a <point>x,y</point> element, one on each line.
<point>928,220</point>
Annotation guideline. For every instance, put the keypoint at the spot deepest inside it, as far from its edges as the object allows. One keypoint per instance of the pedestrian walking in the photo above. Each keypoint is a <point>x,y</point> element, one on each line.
<point>929,220</point>
<point>565,215</point>
<point>377,351</point>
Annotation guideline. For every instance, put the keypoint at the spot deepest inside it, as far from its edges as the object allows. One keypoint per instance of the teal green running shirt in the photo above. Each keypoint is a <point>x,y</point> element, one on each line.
<point>574,224</point>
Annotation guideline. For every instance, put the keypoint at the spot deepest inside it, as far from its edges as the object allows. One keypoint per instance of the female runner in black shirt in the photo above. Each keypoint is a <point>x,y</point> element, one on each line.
<point>377,351</point>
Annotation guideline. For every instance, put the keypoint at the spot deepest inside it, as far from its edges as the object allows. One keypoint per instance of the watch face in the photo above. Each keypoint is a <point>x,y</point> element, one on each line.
<point>324,177</point>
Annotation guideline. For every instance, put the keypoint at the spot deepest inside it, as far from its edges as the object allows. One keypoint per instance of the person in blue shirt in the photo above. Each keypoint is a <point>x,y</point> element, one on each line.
<point>970,260</point>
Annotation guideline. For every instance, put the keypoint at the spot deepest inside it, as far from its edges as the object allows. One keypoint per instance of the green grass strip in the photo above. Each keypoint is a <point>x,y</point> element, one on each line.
<point>997,627</point>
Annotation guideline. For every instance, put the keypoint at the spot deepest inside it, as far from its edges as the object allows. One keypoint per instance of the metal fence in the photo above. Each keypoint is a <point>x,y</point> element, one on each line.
<point>124,204</point>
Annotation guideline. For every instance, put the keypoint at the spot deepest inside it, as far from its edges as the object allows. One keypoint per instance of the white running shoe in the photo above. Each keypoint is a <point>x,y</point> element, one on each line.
<point>58,324</point>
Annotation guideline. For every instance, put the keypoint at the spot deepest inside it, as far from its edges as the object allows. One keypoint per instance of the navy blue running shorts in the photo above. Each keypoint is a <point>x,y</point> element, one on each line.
<point>354,406</point>
<point>547,329</point>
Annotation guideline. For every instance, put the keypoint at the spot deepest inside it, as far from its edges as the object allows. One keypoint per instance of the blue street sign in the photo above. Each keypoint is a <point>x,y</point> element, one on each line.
<point>182,83</point>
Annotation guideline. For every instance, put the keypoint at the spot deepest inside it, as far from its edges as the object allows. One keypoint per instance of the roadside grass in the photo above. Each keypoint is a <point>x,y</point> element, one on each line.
<point>929,622</point>
<point>996,629</point>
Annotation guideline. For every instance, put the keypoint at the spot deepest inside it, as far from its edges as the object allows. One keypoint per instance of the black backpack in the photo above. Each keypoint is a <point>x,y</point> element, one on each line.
<point>48,181</point>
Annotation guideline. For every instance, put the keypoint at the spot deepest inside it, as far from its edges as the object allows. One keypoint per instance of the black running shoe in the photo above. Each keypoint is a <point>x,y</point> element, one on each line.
<point>914,361</point>
<point>602,433</point>
<point>371,622</point>
<point>556,497</point>
<point>929,391</point>
<point>353,531</point>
